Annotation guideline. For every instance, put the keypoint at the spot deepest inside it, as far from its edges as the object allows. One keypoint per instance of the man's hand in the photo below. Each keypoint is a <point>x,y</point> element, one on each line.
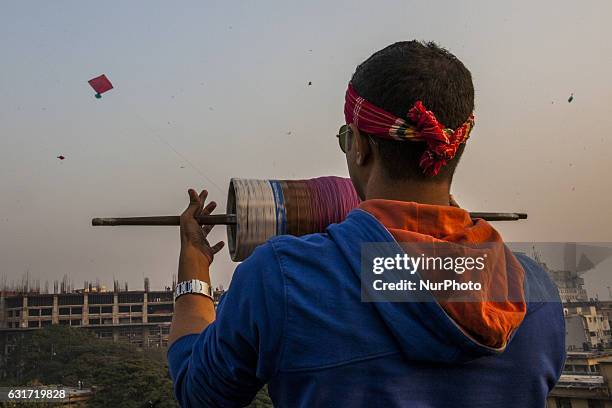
<point>192,313</point>
<point>193,236</point>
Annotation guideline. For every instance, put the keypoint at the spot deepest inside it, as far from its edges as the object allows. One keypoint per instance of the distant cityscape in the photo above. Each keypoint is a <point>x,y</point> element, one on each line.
<point>143,317</point>
<point>587,376</point>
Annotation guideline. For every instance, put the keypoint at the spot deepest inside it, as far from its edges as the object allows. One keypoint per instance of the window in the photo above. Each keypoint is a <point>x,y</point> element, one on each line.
<point>94,322</point>
<point>160,296</point>
<point>163,308</point>
<point>33,323</point>
<point>564,402</point>
<point>136,308</point>
<point>157,319</point>
<point>107,309</point>
<point>136,319</point>
<point>94,309</point>
<point>76,310</point>
<point>14,302</point>
<point>64,311</point>
<point>75,322</point>
<point>581,368</point>
<point>101,299</point>
<point>64,322</point>
<point>131,298</point>
<point>595,404</point>
<point>40,300</point>
<point>34,312</point>
<point>105,334</point>
<point>124,309</point>
<point>46,312</point>
<point>70,299</point>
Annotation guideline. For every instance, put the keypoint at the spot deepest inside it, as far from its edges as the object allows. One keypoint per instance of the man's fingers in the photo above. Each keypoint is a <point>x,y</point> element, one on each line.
<point>194,204</point>
<point>203,195</point>
<point>209,208</point>
<point>217,247</point>
<point>202,199</point>
<point>207,228</point>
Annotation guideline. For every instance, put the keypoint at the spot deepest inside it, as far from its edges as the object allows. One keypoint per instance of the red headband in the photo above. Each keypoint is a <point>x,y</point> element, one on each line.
<point>442,143</point>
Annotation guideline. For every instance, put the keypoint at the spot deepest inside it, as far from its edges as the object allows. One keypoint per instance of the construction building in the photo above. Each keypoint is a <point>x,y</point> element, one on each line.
<point>139,317</point>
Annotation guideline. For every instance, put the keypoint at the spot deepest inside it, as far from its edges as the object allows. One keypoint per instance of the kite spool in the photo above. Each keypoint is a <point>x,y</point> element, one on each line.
<point>258,210</point>
<point>266,208</point>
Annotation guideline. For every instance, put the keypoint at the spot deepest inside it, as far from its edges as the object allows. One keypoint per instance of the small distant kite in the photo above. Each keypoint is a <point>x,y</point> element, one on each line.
<point>571,98</point>
<point>100,84</point>
<point>61,157</point>
<point>309,83</point>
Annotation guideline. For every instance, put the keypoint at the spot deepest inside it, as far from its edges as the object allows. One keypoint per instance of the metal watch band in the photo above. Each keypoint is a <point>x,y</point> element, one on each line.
<point>195,286</point>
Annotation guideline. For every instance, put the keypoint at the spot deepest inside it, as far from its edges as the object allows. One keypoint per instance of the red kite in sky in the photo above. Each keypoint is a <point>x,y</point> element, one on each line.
<point>61,157</point>
<point>100,84</point>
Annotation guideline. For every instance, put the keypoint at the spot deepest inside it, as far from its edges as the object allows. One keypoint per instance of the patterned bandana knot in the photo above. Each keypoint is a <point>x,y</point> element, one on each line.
<point>442,143</point>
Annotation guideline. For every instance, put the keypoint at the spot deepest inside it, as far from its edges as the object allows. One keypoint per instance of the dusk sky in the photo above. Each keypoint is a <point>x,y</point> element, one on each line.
<point>213,90</point>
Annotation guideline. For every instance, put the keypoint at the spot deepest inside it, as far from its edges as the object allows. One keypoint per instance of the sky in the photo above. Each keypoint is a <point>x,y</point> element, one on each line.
<point>213,90</point>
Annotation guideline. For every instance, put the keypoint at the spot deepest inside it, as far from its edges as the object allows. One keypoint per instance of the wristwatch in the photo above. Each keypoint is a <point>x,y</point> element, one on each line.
<point>195,286</point>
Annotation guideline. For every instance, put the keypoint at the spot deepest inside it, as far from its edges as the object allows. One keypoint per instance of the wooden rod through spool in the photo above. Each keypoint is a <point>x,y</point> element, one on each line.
<point>220,219</point>
<point>230,219</point>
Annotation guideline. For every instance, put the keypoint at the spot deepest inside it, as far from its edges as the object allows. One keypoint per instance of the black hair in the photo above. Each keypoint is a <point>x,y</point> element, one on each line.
<point>397,76</point>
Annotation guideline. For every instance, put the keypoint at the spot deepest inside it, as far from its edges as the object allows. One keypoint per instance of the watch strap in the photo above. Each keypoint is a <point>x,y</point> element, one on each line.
<point>193,286</point>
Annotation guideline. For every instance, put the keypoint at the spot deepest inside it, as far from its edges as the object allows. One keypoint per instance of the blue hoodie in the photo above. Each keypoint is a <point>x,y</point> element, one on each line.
<point>293,319</point>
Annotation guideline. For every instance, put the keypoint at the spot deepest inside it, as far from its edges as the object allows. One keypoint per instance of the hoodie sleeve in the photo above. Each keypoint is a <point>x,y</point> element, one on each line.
<point>226,364</point>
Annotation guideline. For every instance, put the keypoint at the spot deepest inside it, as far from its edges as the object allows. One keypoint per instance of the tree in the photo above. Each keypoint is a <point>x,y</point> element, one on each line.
<point>122,374</point>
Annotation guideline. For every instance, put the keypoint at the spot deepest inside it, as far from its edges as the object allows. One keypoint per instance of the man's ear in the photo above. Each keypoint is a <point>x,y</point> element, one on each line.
<point>362,147</point>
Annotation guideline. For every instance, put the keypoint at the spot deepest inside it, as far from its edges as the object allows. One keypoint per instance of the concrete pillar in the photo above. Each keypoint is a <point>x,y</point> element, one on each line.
<point>24,312</point>
<point>55,311</point>
<point>85,315</point>
<point>145,305</point>
<point>115,308</point>
<point>3,316</point>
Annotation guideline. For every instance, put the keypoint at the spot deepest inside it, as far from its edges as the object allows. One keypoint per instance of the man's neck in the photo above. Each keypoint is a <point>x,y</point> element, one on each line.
<point>423,192</point>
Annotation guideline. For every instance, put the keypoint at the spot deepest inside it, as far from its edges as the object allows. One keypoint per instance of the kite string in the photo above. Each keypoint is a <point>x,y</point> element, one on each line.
<point>178,153</point>
<point>128,108</point>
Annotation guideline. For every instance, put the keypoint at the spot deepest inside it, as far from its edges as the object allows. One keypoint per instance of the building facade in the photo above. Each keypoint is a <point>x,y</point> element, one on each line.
<point>139,317</point>
<point>586,382</point>
<point>586,326</point>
